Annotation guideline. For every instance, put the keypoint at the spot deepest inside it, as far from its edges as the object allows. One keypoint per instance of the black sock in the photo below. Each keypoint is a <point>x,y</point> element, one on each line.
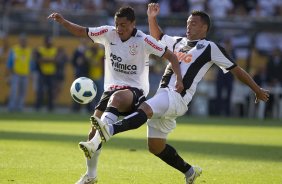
<point>133,121</point>
<point>112,110</point>
<point>171,157</point>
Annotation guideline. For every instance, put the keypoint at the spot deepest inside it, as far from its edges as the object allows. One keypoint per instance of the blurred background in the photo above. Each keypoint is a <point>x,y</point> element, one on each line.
<point>250,31</point>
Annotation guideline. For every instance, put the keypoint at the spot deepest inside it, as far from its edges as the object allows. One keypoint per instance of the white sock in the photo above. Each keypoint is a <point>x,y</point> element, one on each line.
<point>190,172</point>
<point>92,164</point>
<point>96,140</point>
<point>109,118</point>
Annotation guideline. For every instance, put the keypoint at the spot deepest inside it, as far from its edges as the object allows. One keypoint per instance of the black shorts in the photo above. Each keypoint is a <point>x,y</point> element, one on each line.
<point>138,98</point>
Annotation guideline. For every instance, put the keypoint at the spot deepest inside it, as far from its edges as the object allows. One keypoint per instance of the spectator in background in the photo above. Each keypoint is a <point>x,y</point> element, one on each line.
<point>224,84</point>
<point>258,12</point>
<point>179,6</point>
<point>95,57</point>
<point>61,60</point>
<point>197,5</point>
<point>219,8</point>
<point>47,68</point>
<point>81,68</point>
<point>274,68</point>
<point>19,68</point>
<point>273,76</point>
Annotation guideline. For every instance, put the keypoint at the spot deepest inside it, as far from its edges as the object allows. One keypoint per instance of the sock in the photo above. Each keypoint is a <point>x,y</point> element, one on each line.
<point>110,115</point>
<point>133,121</point>
<point>171,157</point>
<point>96,140</point>
<point>92,164</point>
<point>189,173</point>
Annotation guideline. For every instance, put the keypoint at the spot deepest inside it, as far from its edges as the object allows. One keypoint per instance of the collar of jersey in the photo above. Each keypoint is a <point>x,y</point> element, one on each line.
<point>132,34</point>
<point>193,43</point>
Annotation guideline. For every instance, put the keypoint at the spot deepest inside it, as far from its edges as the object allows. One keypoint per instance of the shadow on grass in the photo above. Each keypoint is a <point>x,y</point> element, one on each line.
<point>230,150</point>
<point>76,117</point>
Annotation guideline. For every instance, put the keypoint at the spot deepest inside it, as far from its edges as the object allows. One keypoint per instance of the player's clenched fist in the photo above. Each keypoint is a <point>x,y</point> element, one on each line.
<point>153,9</point>
<point>56,16</point>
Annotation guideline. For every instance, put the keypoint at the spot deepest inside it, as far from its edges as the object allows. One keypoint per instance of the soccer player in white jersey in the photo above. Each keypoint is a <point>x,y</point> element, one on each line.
<point>126,84</point>
<point>196,56</point>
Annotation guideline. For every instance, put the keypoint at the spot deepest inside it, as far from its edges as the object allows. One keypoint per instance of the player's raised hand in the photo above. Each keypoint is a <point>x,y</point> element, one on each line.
<point>56,16</point>
<point>262,95</point>
<point>153,9</point>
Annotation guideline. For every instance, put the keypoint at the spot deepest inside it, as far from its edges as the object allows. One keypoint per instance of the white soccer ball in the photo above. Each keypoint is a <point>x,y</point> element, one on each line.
<point>83,90</point>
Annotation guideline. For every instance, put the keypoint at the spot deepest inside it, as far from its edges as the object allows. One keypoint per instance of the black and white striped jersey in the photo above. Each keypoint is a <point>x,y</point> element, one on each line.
<point>195,58</point>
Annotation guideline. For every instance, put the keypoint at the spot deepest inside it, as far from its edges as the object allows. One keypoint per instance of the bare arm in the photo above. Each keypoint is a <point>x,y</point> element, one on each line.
<point>75,29</point>
<point>171,57</point>
<point>152,12</point>
<point>243,76</point>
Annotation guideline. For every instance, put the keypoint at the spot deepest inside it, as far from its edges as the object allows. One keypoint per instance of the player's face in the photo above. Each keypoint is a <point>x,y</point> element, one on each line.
<point>196,29</point>
<point>124,27</point>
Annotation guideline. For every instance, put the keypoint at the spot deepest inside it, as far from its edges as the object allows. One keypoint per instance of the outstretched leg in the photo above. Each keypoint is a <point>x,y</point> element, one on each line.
<point>169,155</point>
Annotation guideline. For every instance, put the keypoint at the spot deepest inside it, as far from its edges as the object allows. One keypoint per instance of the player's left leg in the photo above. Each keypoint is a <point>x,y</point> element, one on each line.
<point>157,146</point>
<point>136,119</point>
<point>161,124</point>
<point>114,103</point>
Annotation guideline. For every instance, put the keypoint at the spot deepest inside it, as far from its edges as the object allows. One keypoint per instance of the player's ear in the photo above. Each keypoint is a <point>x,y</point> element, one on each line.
<point>205,27</point>
<point>133,23</point>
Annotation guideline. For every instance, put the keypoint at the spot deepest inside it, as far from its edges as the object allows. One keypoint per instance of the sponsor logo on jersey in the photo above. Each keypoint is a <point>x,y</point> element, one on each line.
<point>133,49</point>
<point>122,67</point>
<point>99,33</point>
<point>187,58</point>
<point>152,44</point>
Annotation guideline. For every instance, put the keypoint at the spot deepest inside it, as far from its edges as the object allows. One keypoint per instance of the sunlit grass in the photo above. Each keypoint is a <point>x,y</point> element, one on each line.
<point>42,148</point>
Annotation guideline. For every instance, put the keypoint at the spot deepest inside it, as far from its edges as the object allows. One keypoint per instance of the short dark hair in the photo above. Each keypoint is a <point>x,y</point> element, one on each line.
<point>204,16</point>
<point>127,12</point>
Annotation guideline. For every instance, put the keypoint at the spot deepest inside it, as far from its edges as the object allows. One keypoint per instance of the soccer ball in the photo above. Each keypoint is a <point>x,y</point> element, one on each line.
<point>83,90</point>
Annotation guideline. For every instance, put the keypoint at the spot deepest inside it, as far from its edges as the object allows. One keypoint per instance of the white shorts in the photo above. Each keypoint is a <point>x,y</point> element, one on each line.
<point>167,105</point>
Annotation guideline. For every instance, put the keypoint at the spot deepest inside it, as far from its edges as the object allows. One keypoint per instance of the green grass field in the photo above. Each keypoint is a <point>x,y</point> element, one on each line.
<point>42,149</point>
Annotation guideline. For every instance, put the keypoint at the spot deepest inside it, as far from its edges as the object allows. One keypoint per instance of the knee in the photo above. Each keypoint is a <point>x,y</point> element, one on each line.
<point>155,147</point>
<point>153,150</point>
<point>147,109</point>
<point>118,99</point>
<point>115,99</point>
<point>121,100</point>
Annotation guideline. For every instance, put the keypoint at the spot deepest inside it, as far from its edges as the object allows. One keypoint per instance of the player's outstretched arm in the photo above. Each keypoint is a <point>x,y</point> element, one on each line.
<point>75,29</point>
<point>243,76</point>
<point>152,12</point>
<point>172,58</point>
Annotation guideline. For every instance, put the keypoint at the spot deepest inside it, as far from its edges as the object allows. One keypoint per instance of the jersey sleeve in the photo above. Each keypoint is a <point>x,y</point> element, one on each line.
<point>99,34</point>
<point>170,41</point>
<point>220,57</point>
<point>152,46</point>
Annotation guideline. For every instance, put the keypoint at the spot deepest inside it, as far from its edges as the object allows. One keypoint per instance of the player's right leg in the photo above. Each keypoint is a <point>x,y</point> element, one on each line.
<point>90,177</point>
<point>157,145</point>
<point>166,108</point>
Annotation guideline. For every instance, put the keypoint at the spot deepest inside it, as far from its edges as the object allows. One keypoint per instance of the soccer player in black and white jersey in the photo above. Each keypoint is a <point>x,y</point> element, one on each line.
<point>126,83</point>
<point>196,56</point>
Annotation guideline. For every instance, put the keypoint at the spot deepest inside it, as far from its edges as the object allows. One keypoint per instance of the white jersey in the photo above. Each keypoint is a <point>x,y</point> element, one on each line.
<point>126,63</point>
<point>195,58</point>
